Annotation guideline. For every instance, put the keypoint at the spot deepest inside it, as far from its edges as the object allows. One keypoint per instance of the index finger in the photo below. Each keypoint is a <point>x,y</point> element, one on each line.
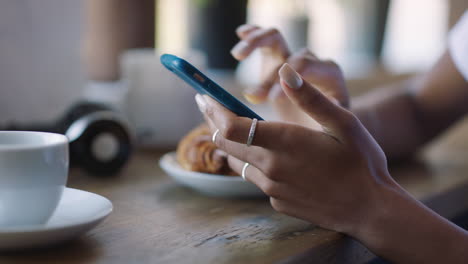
<point>259,38</point>
<point>244,30</point>
<point>233,127</point>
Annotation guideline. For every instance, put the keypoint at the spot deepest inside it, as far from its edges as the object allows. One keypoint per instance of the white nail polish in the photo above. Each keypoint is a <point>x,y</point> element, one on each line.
<point>240,49</point>
<point>200,102</point>
<point>290,76</point>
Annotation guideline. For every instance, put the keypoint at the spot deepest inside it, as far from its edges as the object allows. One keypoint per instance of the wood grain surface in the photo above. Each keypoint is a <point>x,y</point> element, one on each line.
<point>157,221</point>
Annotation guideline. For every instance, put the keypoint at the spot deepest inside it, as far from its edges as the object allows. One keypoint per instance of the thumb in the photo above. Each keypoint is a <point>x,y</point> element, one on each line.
<point>310,99</point>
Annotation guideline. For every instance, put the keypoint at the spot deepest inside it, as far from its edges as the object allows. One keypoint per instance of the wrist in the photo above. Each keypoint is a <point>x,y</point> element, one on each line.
<point>401,229</point>
<point>386,200</point>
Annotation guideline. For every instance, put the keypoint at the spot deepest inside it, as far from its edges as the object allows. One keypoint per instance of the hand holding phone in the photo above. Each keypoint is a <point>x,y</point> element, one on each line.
<point>205,85</point>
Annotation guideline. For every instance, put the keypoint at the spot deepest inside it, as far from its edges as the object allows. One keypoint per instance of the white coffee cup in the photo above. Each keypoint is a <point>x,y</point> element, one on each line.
<point>33,174</point>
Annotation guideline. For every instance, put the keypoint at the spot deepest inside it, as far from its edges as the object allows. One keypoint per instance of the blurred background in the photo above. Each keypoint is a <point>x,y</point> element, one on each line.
<point>54,53</point>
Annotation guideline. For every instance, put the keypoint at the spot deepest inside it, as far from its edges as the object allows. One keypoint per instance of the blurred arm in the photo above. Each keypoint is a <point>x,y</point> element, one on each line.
<point>404,117</point>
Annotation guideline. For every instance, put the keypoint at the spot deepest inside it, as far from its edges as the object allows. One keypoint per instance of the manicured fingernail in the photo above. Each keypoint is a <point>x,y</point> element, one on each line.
<point>200,102</point>
<point>290,76</point>
<point>253,98</point>
<point>239,50</point>
<point>255,95</point>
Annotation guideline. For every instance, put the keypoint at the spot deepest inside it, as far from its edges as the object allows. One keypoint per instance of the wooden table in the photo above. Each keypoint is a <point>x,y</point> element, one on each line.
<point>157,221</point>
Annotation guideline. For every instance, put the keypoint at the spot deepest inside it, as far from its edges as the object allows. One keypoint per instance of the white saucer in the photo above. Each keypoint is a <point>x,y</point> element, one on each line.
<point>209,184</point>
<point>77,212</point>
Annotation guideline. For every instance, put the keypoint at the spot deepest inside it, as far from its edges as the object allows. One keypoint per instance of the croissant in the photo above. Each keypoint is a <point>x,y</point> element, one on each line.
<point>196,152</point>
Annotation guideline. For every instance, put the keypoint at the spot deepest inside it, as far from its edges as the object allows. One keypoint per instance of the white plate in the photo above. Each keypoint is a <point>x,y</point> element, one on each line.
<point>209,184</point>
<point>77,212</point>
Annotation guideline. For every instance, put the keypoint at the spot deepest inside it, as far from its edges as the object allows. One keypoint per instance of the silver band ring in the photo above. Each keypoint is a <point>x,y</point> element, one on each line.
<point>244,169</point>
<point>213,138</point>
<point>252,131</point>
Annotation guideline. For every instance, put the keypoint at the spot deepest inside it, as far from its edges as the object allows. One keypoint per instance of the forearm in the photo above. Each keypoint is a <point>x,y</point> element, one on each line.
<point>404,117</point>
<point>403,230</point>
<point>390,115</point>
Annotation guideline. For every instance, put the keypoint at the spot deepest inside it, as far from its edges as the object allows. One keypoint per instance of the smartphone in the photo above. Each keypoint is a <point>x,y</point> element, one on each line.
<point>205,85</point>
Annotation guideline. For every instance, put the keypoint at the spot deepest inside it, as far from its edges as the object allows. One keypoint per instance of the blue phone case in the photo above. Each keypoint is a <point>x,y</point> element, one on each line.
<point>205,85</point>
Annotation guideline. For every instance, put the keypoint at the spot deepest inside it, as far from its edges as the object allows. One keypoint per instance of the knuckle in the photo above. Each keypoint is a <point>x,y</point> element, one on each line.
<point>271,169</point>
<point>270,189</point>
<point>278,205</point>
<point>349,121</point>
<point>275,175</point>
<point>303,61</point>
<point>209,112</point>
<point>330,63</point>
<point>333,65</point>
<point>256,36</point>
<point>298,59</point>
<point>220,142</point>
<point>228,129</point>
<point>287,134</point>
<point>305,52</point>
<point>273,31</point>
<point>261,34</point>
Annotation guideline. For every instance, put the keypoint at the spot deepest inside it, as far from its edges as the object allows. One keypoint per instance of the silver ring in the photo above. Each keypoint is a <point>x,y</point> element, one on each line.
<point>252,131</point>
<point>244,169</point>
<point>213,138</point>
